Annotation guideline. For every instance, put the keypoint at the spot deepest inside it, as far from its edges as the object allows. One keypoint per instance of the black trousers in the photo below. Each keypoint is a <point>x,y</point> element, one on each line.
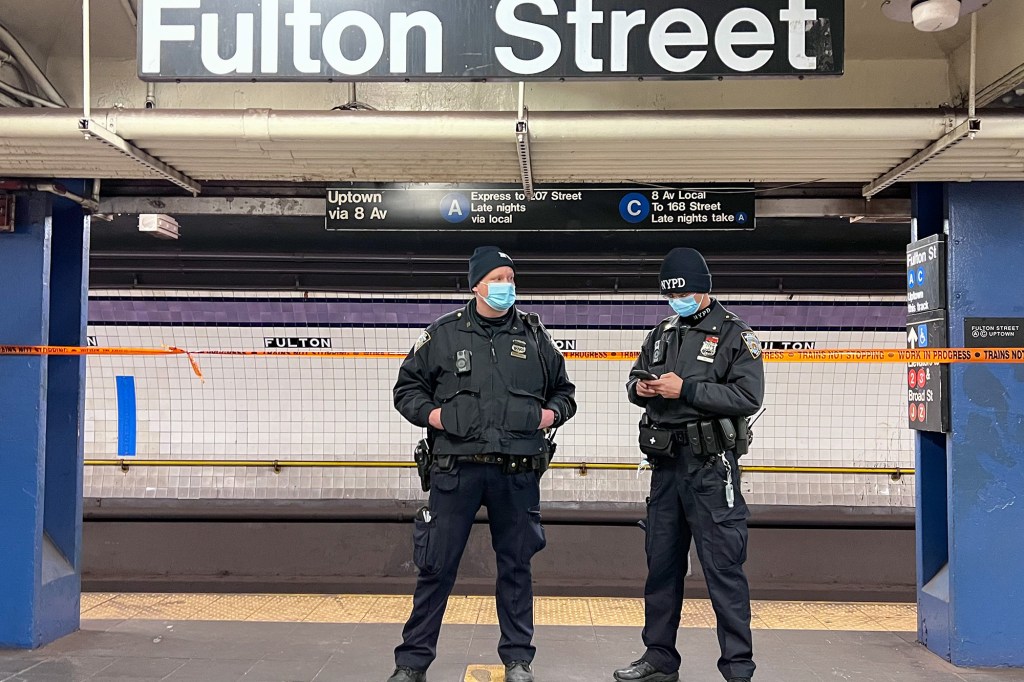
<point>513,507</point>
<point>688,502</point>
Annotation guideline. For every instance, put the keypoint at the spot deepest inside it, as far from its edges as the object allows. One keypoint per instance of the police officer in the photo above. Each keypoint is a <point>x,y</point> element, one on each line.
<point>709,378</point>
<point>487,381</point>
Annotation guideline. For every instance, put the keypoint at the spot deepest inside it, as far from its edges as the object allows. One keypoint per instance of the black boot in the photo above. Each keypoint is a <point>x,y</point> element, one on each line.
<point>739,679</point>
<point>405,674</point>
<point>518,671</point>
<point>642,671</point>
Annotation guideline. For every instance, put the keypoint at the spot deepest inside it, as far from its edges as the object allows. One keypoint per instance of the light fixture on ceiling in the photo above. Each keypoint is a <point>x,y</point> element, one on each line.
<point>935,15</point>
<point>931,15</point>
<point>159,225</point>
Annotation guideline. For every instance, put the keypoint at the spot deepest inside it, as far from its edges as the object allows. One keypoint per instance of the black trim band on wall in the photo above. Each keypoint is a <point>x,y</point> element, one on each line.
<point>401,511</point>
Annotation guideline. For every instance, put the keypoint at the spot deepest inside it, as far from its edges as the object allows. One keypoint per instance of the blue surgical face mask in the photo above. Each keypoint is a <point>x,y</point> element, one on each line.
<point>500,295</point>
<point>685,306</point>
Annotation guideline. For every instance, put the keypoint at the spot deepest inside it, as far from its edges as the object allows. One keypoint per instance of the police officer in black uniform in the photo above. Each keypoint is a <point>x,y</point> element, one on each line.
<point>486,381</point>
<point>709,378</point>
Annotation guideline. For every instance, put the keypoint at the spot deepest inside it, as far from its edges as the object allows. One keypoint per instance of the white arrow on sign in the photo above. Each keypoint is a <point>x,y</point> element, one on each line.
<point>912,337</point>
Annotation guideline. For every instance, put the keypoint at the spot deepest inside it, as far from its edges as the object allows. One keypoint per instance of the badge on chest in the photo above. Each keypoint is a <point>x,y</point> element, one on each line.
<point>519,349</point>
<point>708,349</point>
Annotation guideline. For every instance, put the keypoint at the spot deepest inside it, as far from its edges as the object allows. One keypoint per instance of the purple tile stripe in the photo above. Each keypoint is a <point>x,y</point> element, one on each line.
<point>405,313</point>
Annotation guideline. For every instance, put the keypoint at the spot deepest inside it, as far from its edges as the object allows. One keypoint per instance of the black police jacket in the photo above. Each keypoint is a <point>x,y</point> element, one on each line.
<point>495,406</point>
<point>719,360</point>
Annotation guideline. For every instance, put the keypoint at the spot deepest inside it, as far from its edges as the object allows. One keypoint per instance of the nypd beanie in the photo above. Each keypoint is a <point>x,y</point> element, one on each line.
<point>485,259</point>
<point>684,271</point>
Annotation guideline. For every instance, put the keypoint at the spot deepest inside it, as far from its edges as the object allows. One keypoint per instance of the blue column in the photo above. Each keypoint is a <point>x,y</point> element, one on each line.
<point>971,609</point>
<point>931,465</point>
<point>43,289</point>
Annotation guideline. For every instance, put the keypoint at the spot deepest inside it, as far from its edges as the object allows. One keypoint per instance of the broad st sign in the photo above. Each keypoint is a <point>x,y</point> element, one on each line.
<point>482,40</point>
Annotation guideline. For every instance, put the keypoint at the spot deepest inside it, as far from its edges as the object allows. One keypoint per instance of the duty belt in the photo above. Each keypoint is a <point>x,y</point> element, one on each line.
<point>510,463</point>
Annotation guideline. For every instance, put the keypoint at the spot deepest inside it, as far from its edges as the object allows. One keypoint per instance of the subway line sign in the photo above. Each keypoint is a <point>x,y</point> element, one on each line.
<point>480,40</point>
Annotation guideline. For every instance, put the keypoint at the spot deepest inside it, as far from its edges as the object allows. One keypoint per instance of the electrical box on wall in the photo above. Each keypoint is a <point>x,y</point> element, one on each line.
<point>6,213</point>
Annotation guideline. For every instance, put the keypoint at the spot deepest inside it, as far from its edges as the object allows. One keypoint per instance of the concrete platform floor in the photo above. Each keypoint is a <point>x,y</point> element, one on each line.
<point>280,641</point>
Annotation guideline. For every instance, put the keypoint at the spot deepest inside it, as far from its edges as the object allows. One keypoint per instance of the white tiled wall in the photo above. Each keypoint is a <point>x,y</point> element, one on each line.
<point>320,409</point>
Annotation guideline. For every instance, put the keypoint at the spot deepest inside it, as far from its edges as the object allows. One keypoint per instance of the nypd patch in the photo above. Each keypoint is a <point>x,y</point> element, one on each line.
<point>423,340</point>
<point>753,345</point>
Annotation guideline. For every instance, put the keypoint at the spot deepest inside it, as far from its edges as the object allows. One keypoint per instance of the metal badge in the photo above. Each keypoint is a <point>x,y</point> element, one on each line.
<point>708,349</point>
<point>519,349</point>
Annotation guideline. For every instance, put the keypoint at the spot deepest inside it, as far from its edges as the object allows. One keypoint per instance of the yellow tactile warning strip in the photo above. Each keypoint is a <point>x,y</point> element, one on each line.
<point>485,673</point>
<point>463,610</point>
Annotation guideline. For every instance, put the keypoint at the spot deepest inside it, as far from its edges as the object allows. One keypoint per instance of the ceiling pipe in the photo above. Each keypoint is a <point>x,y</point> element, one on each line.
<point>10,102</point>
<point>130,11</point>
<point>54,188</point>
<point>27,96</point>
<point>26,62</point>
<point>284,126</point>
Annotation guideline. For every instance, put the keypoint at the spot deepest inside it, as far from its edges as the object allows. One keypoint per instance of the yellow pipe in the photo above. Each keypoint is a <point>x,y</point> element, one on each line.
<point>582,467</point>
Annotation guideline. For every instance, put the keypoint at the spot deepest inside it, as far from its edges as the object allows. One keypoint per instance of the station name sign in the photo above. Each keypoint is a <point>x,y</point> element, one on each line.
<point>481,40</point>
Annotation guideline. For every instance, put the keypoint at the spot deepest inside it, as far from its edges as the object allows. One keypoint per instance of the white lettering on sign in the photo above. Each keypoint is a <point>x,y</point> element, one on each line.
<point>788,345</point>
<point>155,33</point>
<point>545,36</point>
<point>677,40</point>
<point>296,342</point>
<point>335,196</point>
<point>922,255</point>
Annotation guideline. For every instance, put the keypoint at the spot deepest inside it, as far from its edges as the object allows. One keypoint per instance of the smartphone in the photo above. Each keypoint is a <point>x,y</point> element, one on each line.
<point>643,375</point>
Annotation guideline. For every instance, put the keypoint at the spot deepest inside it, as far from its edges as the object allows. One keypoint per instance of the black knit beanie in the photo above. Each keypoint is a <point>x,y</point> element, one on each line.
<point>684,271</point>
<point>485,259</point>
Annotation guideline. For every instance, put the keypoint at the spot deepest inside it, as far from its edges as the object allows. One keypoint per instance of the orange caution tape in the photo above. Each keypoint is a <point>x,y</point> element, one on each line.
<point>916,355</point>
<point>867,355</point>
<point>86,350</point>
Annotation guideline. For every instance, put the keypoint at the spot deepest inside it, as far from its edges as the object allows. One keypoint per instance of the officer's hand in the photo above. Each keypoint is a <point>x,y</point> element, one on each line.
<point>644,390</point>
<point>547,419</point>
<point>669,385</point>
<point>435,419</point>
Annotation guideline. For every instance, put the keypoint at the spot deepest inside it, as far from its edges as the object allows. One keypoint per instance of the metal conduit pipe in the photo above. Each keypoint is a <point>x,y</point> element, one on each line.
<point>267,125</point>
<point>18,92</point>
<point>9,101</point>
<point>28,65</point>
<point>149,127</point>
<point>130,11</point>
<point>51,188</point>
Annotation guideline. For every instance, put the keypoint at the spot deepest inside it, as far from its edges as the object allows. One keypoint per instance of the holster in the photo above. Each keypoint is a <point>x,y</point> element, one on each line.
<point>744,436</point>
<point>655,441</point>
<point>544,460</point>
<point>424,459</point>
